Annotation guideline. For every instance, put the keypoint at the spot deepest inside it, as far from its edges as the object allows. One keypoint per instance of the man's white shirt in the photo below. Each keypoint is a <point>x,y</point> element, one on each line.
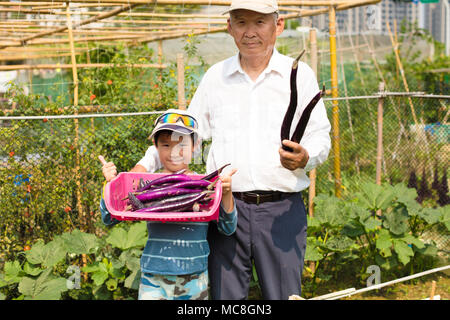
<point>244,117</point>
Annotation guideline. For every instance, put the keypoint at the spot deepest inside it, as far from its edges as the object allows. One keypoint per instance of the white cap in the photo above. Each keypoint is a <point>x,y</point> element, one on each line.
<point>178,127</point>
<point>261,6</point>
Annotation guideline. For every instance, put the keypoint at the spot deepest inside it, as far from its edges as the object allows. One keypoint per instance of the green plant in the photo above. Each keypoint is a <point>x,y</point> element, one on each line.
<point>44,271</point>
<point>379,225</point>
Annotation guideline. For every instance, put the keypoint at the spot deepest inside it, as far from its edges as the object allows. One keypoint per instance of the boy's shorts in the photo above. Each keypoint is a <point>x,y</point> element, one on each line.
<point>174,287</point>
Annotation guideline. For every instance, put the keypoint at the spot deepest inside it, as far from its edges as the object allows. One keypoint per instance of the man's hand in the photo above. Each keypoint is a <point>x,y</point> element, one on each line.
<point>109,169</point>
<point>298,158</point>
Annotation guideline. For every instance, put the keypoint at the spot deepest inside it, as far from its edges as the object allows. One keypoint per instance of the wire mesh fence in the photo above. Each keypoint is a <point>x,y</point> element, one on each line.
<point>411,144</point>
<point>51,177</point>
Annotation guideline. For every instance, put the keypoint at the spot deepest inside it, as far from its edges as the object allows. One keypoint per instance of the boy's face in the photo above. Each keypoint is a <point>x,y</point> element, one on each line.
<point>175,151</point>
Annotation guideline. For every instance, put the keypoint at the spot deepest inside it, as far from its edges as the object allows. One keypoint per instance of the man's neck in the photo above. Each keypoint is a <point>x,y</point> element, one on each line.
<point>254,66</point>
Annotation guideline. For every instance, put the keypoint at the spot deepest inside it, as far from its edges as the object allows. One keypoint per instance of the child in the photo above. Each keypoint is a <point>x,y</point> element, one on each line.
<point>174,264</point>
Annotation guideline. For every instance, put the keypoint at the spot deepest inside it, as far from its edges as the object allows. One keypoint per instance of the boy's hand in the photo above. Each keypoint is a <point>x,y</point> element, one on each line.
<point>226,182</point>
<point>109,169</point>
<point>227,196</point>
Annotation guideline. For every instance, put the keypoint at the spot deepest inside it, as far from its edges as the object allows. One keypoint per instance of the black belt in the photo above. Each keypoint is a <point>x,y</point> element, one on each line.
<point>257,196</point>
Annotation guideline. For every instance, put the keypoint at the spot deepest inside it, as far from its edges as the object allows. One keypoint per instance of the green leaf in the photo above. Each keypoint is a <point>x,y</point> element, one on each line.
<point>407,197</point>
<point>117,273</point>
<point>430,215</point>
<point>360,213</point>
<point>80,242</point>
<point>91,268</point>
<point>135,237</point>
<point>404,252</point>
<point>374,197</point>
<point>312,252</point>
<point>13,271</point>
<point>99,277</point>
<point>133,280</point>
<point>353,229</point>
<point>48,254</point>
<point>131,258</point>
<point>384,240</point>
<point>371,224</point>
<point>118,238</point>
<point>445,216</point>
<point>397,221</point>
<point>339,243</point>
<point>410,239</point>
<point>429,250</point>
<point>328,211</point>
<point>312,222</point>
<point>35,254</point>
<point>45,287</point>
<point>31,269</point>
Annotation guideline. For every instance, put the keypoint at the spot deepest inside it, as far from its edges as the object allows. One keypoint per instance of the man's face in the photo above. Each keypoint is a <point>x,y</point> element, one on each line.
<point>254,33</point>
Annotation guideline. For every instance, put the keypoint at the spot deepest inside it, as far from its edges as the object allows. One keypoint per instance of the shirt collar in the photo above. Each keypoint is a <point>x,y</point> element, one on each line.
<point>275,64</point>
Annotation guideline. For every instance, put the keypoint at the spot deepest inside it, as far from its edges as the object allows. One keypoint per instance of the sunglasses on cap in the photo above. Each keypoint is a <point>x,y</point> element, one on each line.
<point>173,118</point>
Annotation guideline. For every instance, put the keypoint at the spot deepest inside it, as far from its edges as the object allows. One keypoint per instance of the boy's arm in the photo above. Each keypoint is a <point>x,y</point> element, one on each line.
<point>227,214</point>
<point>227,221</point>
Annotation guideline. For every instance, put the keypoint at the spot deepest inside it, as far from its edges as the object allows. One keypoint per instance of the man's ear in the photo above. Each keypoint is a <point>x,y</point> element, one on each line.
<point>229,25</point>
<point>280,26</point>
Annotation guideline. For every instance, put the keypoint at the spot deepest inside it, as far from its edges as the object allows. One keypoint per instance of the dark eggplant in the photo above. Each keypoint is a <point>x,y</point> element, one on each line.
<point>135,202</point>
<point>159,194</point>
<point>290,113</point>
<point>164,179</point>
<point>185,184</point>
<point>214,174</point>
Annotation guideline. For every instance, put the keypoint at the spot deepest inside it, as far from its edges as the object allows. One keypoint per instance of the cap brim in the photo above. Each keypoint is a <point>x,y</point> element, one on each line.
<point>251,7</point>
<point>172,127</point>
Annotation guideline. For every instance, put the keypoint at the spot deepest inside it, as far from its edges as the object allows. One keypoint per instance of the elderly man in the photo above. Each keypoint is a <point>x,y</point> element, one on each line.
<point>240,104</point>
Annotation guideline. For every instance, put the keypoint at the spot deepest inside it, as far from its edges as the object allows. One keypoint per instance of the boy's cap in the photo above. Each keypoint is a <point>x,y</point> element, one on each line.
<point>178,127</point>
<point>262,6</point>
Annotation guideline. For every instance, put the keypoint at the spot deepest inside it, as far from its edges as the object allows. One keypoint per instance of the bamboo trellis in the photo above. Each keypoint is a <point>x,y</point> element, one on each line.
<point>65,28</point>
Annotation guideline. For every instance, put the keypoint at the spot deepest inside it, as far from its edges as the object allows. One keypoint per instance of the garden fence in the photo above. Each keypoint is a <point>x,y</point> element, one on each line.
<point>51,179</point>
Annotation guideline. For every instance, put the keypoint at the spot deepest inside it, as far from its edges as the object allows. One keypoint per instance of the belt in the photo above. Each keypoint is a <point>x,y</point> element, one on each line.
<point>257,196</point>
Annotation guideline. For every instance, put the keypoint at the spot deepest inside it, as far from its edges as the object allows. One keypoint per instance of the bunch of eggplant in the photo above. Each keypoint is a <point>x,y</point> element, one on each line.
<point>173,193</point>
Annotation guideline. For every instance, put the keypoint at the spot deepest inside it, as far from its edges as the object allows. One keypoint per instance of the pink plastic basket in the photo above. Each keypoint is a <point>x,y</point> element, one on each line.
<point>125,182</point>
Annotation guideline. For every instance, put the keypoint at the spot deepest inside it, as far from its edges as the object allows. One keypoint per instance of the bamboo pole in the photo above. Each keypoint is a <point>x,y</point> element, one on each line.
<point>313,172</point>
<point>313,3</point>
<point>180,81</point>
<point>379,134</point>
<point>80,65</point>
<point>81,214</point>
<point>82,23</point>
<point>160,74</point>
<point>75,103</point>
<point>334,94</point>
<point>35,56</point>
